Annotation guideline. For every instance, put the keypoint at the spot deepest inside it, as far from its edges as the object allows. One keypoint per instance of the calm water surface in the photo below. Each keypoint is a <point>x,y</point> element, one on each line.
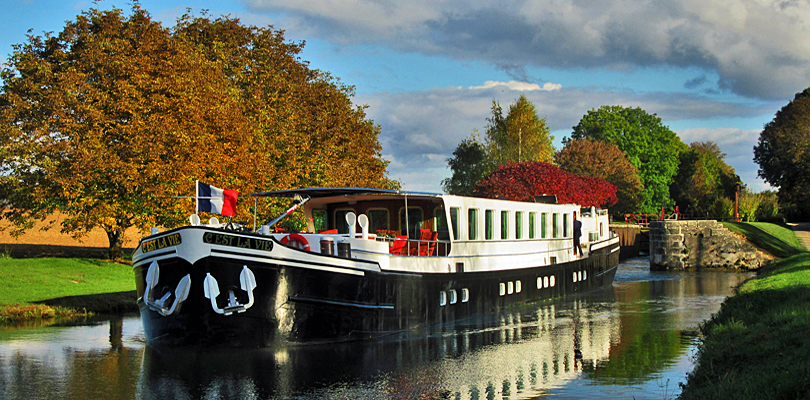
<point>635,340</point>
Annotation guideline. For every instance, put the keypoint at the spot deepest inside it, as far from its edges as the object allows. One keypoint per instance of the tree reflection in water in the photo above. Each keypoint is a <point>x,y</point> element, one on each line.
<point>618,341</point>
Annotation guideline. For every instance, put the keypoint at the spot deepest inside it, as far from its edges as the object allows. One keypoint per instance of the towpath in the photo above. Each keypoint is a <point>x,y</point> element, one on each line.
<point>802,231</point>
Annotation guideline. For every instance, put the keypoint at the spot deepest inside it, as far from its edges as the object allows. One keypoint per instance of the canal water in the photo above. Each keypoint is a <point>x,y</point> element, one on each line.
<point>636,340</point>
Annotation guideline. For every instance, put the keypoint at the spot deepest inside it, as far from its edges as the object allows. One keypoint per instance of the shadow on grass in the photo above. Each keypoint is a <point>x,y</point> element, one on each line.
<point>106,303</point>
<point>17,250</point>
<point>766,240</point>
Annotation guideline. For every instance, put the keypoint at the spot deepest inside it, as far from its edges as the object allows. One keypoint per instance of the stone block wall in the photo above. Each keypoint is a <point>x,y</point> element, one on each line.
<point>678,245</point>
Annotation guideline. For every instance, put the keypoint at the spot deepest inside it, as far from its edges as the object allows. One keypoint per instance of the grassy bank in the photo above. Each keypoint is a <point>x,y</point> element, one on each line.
<point>59,287</point>
<point>777,239</point>
<point>758,344</point>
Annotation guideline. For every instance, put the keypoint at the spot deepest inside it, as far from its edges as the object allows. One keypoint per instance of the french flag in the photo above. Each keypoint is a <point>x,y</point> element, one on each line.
<point>215,200</point>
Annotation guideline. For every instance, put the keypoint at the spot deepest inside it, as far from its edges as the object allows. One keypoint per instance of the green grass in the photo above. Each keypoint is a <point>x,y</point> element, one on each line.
<point>777,239</point>
<point>31,280</point>
<point>67,284</point>
<point>758,345</point>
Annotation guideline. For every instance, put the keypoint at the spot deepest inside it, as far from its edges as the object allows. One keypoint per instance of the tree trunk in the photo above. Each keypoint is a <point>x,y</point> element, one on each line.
<point>116,238</point>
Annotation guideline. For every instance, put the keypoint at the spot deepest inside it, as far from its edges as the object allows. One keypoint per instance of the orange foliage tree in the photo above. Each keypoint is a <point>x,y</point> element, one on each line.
<point>115,115</point>
<point>605,161</point>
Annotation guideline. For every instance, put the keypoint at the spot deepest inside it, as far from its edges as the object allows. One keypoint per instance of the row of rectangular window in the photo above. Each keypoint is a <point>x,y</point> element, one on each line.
<point>560,226</point>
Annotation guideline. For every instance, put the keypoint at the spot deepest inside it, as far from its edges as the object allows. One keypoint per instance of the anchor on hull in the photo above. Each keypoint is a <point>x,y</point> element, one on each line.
<point>159,305</point>
<point>247,283</point>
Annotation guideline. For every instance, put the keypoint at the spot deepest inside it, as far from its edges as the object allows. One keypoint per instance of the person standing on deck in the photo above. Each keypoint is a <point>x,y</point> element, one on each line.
<point>577,235</point>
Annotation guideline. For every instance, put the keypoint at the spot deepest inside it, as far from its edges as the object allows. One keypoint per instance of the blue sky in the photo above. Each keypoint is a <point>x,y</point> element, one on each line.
<point>429,69</point>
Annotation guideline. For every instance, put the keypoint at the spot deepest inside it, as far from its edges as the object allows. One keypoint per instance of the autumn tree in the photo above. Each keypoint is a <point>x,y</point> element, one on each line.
<point>523,181</point>
<point>605,161</point>
<point>304,118</point>
<point>115,115</point>
<point>703,176</point>
<point>648,144</point>
<point>520,136</point>
<point>470,164</point>
<point>783,155</point>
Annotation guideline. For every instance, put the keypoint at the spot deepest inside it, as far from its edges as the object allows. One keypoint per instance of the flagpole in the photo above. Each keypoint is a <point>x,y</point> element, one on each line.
<point>196,196</point>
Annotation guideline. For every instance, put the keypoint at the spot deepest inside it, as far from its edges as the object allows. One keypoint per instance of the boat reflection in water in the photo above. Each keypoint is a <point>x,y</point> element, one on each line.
<point>518,354</point>
<point>632,340</point>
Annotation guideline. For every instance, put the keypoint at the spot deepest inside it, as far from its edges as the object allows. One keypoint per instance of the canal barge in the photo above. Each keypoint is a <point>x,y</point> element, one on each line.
<point>370,262</point>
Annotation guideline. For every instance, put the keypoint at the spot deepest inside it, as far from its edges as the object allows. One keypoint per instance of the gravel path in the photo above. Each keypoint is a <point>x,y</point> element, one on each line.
<point>802,231</point>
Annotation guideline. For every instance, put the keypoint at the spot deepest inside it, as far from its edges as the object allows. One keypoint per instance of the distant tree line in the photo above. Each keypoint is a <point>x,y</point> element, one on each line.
<point>646,161</point>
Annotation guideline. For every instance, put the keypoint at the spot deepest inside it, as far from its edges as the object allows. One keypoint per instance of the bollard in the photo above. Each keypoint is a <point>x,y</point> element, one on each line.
<point>327,246</point>
<point>344,249</point>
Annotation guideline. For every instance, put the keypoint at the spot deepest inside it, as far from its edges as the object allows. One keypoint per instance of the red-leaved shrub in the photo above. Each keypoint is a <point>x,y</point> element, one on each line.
<point>523,181</point>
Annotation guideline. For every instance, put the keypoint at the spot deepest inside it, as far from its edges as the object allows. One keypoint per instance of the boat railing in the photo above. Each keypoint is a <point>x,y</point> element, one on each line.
<point>404,246</point>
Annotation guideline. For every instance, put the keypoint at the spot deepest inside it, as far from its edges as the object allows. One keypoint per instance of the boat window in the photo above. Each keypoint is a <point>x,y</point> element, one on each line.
<point>414,221</point>
<point>566,225</point>
<point>378,220</point>
<point>551,281</point>
<point>442,298</point>
<point>601,229</point>
<point>489,221</point>
<point>319,220</point>
<point>502,289</point>
<point>465,295</point>
<point>453,296</point>
<point>532,225</point>
<point>472,224</point>
<point>340,220</point>
<point>555,225</point>
<point>518,286</point>
<point>510,287</point>
<point>544,225</point>
<point>518,224</point>
<point>545,281</point>
<point>440,224</point>
<point>454,222</point>
<point>504,224</point>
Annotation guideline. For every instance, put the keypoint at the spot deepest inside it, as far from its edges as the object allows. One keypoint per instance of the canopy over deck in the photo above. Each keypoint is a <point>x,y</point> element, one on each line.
<point>337,191</point>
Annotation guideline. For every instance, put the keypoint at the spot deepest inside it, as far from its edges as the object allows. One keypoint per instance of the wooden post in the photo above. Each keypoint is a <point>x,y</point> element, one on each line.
<point>737,204</point>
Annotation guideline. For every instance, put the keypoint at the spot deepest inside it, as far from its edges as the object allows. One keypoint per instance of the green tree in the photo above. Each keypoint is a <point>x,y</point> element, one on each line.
<point>703,176</point>
<point>648,144</point>
<point>783,155</point>
<point>109,119</point>
<point>470,164</point>
<point>521,136</point>
<point>606,161</point>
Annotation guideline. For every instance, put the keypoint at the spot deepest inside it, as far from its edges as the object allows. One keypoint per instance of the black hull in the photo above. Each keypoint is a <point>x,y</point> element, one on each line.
<point>295,304</point>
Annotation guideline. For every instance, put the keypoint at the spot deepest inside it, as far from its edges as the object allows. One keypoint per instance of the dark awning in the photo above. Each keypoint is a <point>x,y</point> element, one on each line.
<point>335,191</point>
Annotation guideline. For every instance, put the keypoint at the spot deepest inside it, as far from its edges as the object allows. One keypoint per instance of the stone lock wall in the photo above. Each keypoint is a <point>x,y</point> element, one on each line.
<point>678,245</point>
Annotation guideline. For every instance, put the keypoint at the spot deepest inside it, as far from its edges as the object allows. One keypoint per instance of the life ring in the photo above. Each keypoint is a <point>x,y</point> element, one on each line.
<point>296,240</point>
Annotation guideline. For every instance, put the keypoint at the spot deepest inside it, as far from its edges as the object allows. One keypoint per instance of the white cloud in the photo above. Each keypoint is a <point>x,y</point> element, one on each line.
<point>519,86</point>
<point>758,48</point>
